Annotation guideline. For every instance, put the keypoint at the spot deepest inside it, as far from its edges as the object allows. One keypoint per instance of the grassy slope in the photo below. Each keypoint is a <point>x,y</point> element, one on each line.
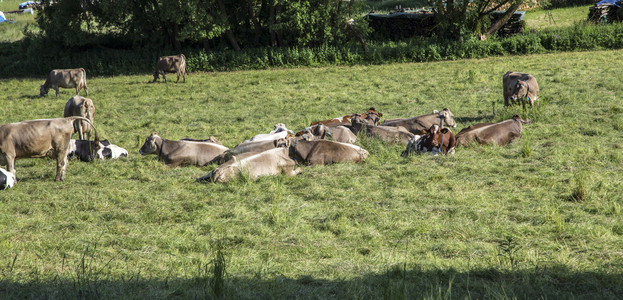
<point>389,227</point>
<point>555,18</point>
<point>11,32</point>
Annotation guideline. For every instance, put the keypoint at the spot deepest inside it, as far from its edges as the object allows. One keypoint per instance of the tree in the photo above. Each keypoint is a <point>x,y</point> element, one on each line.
<point>457,18</point>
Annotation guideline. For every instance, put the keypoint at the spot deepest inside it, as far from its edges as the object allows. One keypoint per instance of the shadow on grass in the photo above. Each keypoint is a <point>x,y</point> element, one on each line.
<point>554,282</point>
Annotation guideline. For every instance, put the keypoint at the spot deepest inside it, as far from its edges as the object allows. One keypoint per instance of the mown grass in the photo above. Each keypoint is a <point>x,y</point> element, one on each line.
<point>490,222</point>
<point>556,18</point>
<point>12,32</point>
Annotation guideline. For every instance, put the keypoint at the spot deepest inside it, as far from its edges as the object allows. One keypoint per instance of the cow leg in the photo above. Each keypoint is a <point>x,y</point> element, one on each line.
<point>57,93</point>
<point>178,77</point>
<point>184,75</point>
<point>80,130</point>
<point>8,161</point>
<point>61,165</point>
<point>164,77</point>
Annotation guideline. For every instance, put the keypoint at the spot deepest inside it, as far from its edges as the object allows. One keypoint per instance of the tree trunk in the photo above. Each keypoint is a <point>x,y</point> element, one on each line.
<point>271,23</point>
<point>257,27</point>
<point>228,33</point>
<point>175,38</point>
<point>501,21</point>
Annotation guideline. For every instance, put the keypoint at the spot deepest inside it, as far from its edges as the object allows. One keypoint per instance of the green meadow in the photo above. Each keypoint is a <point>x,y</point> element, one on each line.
<point>539,218</point>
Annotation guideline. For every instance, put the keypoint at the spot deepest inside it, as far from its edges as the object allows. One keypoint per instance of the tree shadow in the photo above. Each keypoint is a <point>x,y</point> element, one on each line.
<point>550,282</point>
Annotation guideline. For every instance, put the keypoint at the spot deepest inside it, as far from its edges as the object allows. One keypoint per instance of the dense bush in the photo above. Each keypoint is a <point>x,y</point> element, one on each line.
<point>32,57</point>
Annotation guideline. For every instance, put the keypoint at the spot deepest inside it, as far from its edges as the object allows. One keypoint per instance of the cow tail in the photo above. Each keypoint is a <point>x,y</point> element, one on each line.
<point>84,78</point>
<point>185,68</point>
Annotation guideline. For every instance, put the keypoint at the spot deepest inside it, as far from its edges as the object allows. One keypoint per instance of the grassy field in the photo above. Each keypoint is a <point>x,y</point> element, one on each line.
<point>555,18</point>
<point>11,32</point>
<point>540,218</point>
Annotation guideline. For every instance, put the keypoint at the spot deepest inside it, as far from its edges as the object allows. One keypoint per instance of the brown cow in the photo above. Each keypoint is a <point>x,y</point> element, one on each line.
<point>420,124</point>
<point>435,140</point>
<point>388,134</point>
<point>246,147</point>
<point>254,165</point>
<point>500,133</point>
<point>371,117</point>
<point>181,153</point>
<point>171,64</point>
<point>81,107</point>
<point>65,78</point>
<point>38,138</point>
<point>323,152</point>
<point>340,133</point>
<point>519,86</point>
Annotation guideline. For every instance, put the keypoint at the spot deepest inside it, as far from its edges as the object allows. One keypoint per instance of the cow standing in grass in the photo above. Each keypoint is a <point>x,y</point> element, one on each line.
<point>520,86</point>
<point>81,107</point>
<point>171,64</point>
<point>38,138</point>
<point>65,78</point>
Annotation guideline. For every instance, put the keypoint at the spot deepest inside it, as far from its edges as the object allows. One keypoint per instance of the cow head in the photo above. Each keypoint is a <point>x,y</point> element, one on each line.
<point>43,91</point>
<point>518,91</point>
<point>322,131</point>
<point>372,117</point>
<point>285,143</point>
<point>150,147</point>
<point>447,116</point>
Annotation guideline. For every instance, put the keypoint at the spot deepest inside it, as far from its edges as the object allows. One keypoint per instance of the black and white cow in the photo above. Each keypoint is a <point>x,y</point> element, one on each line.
<point>81,150</point>
<point>7,179</point>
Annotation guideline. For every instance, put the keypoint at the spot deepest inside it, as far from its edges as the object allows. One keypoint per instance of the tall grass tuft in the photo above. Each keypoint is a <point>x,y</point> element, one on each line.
<point>579,191</point>
<point>219,266</point>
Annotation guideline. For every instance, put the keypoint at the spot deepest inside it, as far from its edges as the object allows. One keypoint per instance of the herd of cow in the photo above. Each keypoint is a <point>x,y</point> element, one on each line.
<point>279,151</point>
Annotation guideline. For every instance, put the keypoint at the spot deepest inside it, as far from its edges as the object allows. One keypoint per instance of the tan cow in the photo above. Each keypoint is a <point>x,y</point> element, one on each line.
<point>340,133</point>
<point>38,138</point>
<point>181,153</point>
<point>323,152</point>
<point>500,133</point>
<point>65,78</point>
<point>519,86</point>
<point>81,107</point>
<point>388,134</point>
<point>254,165</point>
<point>420,124</point>
<point>171,64</point>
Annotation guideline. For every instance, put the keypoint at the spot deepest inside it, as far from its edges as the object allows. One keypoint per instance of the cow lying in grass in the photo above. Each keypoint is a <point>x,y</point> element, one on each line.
<point>323,152</point>
<point>181,153</point>
<point>500,133</point>
<point>388,134</point>
<point>420,124</point>
<point>339,133</point>
<point>7,179</point>
<point>371,117</point>
<point>253,165</point>
<point>87,150</point>
<point>39,138</point>
<point>436,141</point>
<point>279,132</point>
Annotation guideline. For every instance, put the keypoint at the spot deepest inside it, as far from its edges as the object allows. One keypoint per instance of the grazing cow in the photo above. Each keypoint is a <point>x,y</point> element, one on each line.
<point>500,133</point>
<point>323,152</point>
<point>81,107</point>
<point>279,132</point>
<point>7,179</point>
<point>420,124</point>
<point>171,64</point>
<point>38,138</point>
<point>388,134</point>
<point>372,117</point>
<point>519,86</point>
<point>254,165</point>
<point>435,140</point>
<point>181,153</point>
<point>86,150</point>
<point>65,78</point>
